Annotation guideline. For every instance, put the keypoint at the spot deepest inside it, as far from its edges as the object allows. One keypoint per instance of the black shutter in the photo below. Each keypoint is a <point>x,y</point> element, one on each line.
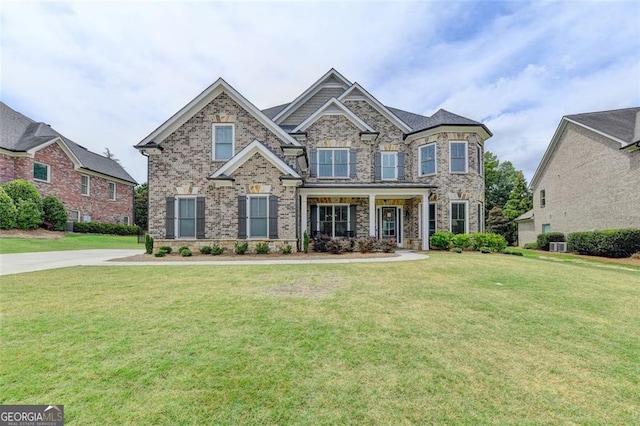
<point>314,219</point>
<point>200,217</point>
<point>313,162</point>
<point>378,166</point>
<point>273,217</point>
<point>170,227</point>
<point>401,166</point>
<point>352,220</point>
<point>242,217</point>
<point>352,163</point>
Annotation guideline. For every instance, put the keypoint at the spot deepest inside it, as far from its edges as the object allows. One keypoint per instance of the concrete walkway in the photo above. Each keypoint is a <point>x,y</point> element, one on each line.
<point>29,262</point>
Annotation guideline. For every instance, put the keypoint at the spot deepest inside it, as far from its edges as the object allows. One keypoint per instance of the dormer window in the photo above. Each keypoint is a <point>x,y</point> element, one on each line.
<point>223,141</point>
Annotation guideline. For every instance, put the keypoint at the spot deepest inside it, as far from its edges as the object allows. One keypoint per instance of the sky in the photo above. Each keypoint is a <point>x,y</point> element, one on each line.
<point>107,73</point>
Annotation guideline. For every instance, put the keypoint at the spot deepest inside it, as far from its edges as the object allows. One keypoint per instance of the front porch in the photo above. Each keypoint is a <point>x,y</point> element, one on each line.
<point>375,210</point>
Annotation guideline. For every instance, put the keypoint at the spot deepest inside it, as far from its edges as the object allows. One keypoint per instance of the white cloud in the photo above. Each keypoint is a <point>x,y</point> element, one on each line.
<point>108,73</point>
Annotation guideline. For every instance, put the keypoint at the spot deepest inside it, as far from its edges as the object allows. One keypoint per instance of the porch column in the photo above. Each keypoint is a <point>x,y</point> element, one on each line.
<point>425,221</point>
<point>372,215</point>
<point>303,214</point>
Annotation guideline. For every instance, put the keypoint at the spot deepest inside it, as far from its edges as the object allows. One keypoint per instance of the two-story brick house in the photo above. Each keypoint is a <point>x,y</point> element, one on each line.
<point>91,186</point>
<point>334,161</point>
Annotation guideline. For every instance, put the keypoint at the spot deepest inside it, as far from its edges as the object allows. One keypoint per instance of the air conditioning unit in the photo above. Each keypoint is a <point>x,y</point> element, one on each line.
<point>562,247</point>
<point>553,246</point>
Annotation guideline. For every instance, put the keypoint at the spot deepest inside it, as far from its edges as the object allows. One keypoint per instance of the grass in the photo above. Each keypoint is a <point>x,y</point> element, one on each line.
<point>455,339</point>
<point>68,242</point>
<point>570,257</point>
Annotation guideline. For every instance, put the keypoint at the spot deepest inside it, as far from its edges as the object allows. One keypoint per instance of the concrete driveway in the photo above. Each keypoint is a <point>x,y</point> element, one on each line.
<point>27,262</point>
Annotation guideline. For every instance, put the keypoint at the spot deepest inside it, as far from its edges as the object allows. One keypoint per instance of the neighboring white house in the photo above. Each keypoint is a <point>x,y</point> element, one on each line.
<point>589,177</point>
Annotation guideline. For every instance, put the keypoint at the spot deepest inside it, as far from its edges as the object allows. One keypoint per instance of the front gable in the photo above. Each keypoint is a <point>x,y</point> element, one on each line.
<point>357,93</point>
<point>333,108</point>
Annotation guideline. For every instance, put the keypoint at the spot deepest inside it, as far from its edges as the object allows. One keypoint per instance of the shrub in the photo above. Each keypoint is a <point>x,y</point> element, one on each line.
<point>160,253</point>
<point>206,250</point>
<point>8,211</point>
<point>182,248</point>
<point>54,213</point>
<point>549,237</point>
<point>305,242</point>
<point>29,215</point>
<point>262,248</point>
<point>185,252</point>
<point>333,246</point>
<point>287,249</point>
<point>216,250</point>
<point>366,244</point>
<point>609,243</point>
<point>462,241</point>
<point>168,249</point>
<point>441,240</point>
<point>531,246</point>
<point>388,245</point>
<point>512,252</point>
<point>636,256</point>
<point>20,189</point>
<point>320,242</point>
<point>105,228</point>
<point>457,249</point>
<point>492,241</point>
<point>485,250</point>
<point>240,248</point>
<point>148,243</point>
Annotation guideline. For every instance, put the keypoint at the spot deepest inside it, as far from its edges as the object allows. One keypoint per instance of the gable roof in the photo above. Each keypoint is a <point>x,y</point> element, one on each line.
<point>331,77</point>
<point>255,147</point>
<point>209,94</point>
<point>356,88</point>
<point>333,107</point>
<point>22,134</point>
<point>619,125</point>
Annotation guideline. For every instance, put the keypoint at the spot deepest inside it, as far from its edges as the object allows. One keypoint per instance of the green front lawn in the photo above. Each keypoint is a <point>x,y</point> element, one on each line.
<point>455,339</point>
<point>69,242</point>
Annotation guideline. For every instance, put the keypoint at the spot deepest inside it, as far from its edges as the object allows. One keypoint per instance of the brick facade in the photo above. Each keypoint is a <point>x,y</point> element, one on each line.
<point>65,184</point>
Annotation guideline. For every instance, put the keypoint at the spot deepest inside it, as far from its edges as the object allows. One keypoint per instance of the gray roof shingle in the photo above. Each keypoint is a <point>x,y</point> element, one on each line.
<point>19,133</point>
<point>619,123</point>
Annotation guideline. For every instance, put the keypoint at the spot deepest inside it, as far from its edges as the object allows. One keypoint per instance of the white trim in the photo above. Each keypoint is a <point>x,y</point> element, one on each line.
<point>48,180</point>
<point>435,159</point>
<point>115,189</point>
<point>210,93</point>
<point>246,153</point>
<point>466,214</point>
<point>248,225</point>
<point>213,140</point>
<point>466,157</point>
<point>449,128</point>
<point>383,110</point>
<point>88,194</point>
<point>480,207</point>
<point>395,167</point>
<point>105,177</point>
<point>333,164</point>
<point>9,153</point>
<point>480,155</point>
<point>307,94</point>
<point>126,221</point>
<point>176,219</point>
<point>76,162</point>
<point>338,109</point>
<point>71,216</point>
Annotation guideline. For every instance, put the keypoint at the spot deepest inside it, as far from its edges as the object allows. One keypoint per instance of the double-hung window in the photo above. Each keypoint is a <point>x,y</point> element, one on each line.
<point>333,163</point>
<point>112,191</point>
<point>186,216</point>
<point>428,159</point>
<point>85,185</point>
<point>543,198</point>
<point>459,217</point>
<point>458,161</point>
<point>389,165</point>
<point>223,141</point>
<point>41,172</point>
<point>333,220</point>
<point>258,217</point>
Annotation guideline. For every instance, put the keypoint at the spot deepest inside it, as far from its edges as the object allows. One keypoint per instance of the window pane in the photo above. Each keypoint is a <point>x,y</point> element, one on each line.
<point>432,219</point>
<point>258,227</point>
<point>458,157</point>
<point>325,162</point>
<point>258,207</point>
<point>187,227</point>
<point>388,165</point>
<point>40,171</point>
<point>223,134</point>
<point>85,185</point>
<point>458,218</point>
<point>187,208</point>
<point>223,151</point>
<point>258,217</point>
<point>428,159</point>
<point>341,160</point>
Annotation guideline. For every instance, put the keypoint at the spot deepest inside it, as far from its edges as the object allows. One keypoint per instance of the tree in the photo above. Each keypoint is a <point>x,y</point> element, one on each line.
<point>520,199</point>
<point>499,223</point>
<point>499,179</point>
<point>141,206</point>
<point>111,156</point>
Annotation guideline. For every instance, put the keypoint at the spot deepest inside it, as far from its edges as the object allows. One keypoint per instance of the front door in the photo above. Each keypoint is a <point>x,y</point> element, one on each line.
<point>389,225</point>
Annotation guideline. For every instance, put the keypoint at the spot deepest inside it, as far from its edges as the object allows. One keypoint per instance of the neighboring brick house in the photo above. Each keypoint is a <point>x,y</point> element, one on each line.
<point>334,161</point>
<point>589,177</point>
<point>92,187</point>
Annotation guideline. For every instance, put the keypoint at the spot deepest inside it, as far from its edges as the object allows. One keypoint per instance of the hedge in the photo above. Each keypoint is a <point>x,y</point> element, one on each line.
<point>606,243</point>
<point>549,237</point>
<point>105,228</point>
